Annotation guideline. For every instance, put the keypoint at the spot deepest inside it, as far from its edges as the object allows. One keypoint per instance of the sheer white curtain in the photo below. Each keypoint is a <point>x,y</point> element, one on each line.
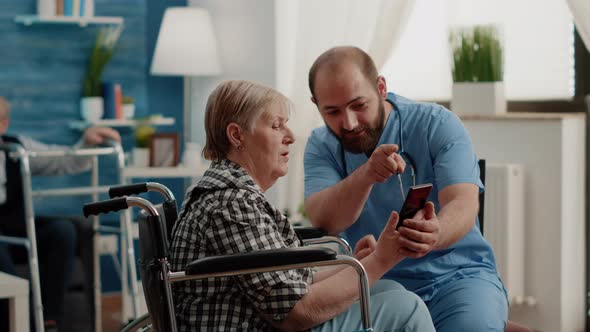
<point>581,12</point>
<point>305,29</point>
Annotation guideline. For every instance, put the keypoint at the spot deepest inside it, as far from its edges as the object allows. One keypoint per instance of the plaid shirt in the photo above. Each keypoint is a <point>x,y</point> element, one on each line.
<point>226,213</point>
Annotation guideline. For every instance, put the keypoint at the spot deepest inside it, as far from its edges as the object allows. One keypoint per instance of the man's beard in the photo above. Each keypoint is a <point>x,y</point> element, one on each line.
<point>367,142</point>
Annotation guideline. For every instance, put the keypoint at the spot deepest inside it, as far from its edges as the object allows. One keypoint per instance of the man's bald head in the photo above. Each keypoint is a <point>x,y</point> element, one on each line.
<point>337,58</point>
<point>4,108</point>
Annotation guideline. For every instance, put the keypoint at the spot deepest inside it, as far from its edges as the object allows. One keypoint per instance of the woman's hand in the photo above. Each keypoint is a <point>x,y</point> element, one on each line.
<point>388,246</point>
<point>365,246</point>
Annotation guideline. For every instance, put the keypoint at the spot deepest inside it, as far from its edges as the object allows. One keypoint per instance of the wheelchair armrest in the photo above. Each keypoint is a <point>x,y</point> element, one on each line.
<point>259,259</point>
<point>305,233</point>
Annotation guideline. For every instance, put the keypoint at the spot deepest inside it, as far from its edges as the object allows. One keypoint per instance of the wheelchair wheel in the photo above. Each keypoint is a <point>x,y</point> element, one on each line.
<point>140,324</point>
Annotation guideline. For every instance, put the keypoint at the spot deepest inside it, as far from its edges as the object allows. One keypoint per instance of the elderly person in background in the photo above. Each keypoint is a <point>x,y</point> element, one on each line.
<point>227,213</point>
<point>57,239</point>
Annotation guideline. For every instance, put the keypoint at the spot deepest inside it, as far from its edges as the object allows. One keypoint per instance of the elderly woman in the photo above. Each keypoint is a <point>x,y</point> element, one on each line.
<point>227,213</point>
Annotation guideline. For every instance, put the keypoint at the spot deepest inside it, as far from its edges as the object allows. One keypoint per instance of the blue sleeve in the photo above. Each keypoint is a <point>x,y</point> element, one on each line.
<point>452,152</point>
<point>322,170</point>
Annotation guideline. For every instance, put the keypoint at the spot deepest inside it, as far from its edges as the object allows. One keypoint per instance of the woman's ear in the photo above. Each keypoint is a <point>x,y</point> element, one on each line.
<point>4,125</point>
<point>234,134</point>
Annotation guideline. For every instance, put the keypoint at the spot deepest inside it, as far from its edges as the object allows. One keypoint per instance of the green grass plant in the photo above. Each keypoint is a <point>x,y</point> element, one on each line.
<point>477,54</point>
<point>101,54</point>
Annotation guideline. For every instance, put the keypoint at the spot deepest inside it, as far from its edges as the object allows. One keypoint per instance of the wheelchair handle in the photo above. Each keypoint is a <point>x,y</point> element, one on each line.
<point>118,204</point>
<point>138,188</point>
<point>110,205</point>
<point>127,190</point>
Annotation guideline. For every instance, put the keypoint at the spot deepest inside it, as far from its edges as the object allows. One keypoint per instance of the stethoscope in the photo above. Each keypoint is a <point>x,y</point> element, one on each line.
<point>402,152</point>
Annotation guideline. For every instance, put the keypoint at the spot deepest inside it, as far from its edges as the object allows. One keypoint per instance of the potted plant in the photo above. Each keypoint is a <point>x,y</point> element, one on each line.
<point>128,107</point>
<point>91,103</point>
<point>143,133</point>
<point>141,152</point>
<point>478,71</point>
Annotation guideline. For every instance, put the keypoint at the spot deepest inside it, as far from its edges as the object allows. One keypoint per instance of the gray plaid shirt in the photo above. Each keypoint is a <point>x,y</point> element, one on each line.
<point>226,213</point>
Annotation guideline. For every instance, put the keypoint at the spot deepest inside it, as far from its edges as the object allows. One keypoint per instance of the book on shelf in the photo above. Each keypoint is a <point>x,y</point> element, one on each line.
<point>59,8</point>
<point>46,8</point>
<point>73,8</point>
<point>88,10</point>
<point>118,102</point>
<point>113,96</point>
<point>68,7</point>
<point>81,10</point>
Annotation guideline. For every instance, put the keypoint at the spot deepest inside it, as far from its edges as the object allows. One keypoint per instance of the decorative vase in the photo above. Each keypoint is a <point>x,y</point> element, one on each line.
<point>141,157</point>
<point>91,109</point>
<point>481,98</point>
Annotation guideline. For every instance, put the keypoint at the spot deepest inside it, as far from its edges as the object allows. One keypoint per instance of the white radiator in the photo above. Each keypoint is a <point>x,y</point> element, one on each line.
<point>504,224</point>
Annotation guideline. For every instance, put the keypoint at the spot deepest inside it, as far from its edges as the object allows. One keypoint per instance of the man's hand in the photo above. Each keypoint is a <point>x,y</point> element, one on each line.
<point>98,135</point>
<point>420,235</point>
<point>383,163</point>
<point>365,246</point>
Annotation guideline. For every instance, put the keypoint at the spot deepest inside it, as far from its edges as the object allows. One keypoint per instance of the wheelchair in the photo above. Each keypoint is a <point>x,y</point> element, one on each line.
<point>155,227</point>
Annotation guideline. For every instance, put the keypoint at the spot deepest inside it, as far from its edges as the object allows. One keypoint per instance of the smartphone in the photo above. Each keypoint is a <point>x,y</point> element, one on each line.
<point>415,201</point>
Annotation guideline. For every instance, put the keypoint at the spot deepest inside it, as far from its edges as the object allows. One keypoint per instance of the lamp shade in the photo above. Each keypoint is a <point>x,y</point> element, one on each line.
<point>186,45</point>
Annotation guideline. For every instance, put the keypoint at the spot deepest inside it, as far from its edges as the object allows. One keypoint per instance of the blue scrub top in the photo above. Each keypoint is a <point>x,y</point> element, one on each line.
<point>443,155</point>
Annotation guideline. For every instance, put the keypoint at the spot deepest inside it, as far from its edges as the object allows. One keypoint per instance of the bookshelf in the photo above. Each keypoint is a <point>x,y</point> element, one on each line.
<point>155,121</point>
<point>81,21</point>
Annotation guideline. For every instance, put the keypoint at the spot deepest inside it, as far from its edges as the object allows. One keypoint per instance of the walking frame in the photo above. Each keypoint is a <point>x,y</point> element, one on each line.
<point>17,152</point>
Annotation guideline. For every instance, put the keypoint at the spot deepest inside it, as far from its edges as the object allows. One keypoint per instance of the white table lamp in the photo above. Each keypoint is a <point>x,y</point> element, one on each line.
<point>186,46</point>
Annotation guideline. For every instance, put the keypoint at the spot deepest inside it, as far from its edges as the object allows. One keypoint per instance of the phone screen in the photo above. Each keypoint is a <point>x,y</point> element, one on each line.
<point>415,201</point>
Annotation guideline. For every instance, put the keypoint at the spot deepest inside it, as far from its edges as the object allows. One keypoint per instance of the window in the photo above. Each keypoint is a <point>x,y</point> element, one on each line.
<point>538,48</point>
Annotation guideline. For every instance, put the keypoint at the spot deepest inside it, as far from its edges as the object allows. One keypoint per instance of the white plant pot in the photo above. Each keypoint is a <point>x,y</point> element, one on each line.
<point>91,108</point>
<point>480,98</point>
<point>141,157</point>
<point>128,111</point>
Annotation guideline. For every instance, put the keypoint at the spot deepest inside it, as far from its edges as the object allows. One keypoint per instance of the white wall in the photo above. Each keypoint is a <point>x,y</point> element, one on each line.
<point>552,150</point>
<point>538,52</point>
<point>245,32</point>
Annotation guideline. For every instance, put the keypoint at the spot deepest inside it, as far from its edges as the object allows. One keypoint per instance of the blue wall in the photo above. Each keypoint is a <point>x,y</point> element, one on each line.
<point>166,92</point>
<point>41,70</point>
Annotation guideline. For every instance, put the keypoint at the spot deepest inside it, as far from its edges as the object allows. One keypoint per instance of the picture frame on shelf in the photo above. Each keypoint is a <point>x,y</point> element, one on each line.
<point>164,149</point>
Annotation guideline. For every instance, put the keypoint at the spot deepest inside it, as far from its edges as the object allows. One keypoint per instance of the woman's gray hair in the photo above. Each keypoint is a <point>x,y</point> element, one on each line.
<point>240,102</point>
<point>4,108</point>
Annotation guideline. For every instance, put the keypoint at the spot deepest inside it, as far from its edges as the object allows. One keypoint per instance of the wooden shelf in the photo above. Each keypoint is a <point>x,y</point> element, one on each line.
<point>155,121</point>
<point>76,20</point>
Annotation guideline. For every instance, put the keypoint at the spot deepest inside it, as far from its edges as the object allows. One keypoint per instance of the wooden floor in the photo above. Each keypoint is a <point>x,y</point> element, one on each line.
<point>111,313</point>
